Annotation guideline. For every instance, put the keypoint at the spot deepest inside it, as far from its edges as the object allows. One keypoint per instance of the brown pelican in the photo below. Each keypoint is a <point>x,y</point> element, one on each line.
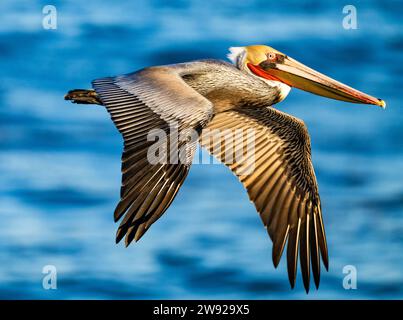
<point>208,94</point>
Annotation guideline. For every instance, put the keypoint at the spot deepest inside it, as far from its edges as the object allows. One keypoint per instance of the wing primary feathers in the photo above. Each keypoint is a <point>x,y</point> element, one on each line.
<point>322,241</point>
<point>292,253</point>
<point>304,252</point>
<point>282,229</point>
<point>315,249</point>
<point>136,192</point>
<point>278,247</point>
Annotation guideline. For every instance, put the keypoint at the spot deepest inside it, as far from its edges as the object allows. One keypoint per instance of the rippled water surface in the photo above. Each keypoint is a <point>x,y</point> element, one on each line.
<point>60,163</point>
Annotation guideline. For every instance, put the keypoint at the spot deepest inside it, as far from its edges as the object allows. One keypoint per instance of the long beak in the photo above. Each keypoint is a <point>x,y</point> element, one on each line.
<point>297,75</point>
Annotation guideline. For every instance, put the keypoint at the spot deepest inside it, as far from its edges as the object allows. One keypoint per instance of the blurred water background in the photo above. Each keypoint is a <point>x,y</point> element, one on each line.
<point>60,163</point>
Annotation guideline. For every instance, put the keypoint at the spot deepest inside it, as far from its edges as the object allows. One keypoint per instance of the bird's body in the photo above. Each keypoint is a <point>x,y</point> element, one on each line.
<point>226,86</point>
<point>196,100</point>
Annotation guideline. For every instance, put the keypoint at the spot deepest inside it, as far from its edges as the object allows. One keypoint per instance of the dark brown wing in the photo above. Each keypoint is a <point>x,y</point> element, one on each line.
<point>274,165</point>
<point>154,110</point>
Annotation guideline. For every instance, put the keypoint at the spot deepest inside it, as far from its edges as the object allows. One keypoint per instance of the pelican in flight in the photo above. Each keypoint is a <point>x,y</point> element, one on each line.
<point>202,95</point>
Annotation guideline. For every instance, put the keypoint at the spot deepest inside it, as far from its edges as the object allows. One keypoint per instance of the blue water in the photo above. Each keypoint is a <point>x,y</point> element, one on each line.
<point>60,163</point>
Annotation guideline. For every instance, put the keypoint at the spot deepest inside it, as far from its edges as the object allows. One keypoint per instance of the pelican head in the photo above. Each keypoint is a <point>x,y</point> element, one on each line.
<point>279,70</point>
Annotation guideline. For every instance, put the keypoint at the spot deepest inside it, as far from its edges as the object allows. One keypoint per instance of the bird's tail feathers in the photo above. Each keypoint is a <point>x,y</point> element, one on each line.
<point>83,96</point>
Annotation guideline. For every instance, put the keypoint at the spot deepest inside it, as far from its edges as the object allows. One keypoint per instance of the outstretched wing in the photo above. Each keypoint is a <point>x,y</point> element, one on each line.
<point>274,165</point>
<point>152,104</point>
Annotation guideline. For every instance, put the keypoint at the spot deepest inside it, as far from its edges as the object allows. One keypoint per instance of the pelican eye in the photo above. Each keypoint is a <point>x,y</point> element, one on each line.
<point>272,56</point>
